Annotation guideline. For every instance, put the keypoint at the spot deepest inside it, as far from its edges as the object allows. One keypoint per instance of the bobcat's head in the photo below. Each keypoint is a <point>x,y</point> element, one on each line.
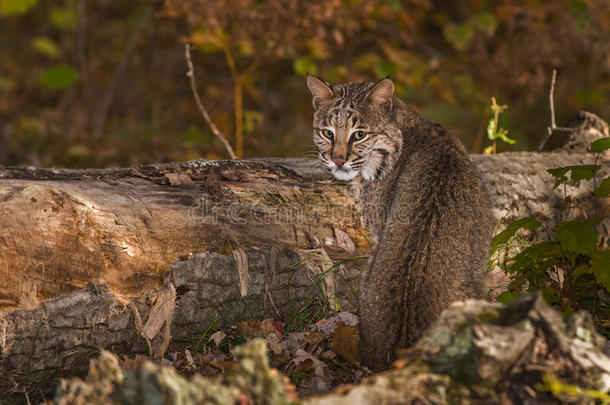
<point>354,127</point>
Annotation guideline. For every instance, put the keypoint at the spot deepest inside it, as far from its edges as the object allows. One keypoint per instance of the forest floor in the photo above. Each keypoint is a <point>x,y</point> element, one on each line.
<point>321,357</point>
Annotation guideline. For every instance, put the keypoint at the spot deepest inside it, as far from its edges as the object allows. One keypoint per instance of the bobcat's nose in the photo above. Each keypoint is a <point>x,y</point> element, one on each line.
<point>339,162</point>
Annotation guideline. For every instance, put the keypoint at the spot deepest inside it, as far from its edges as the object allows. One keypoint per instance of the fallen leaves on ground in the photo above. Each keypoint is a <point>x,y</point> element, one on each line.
<point>322,357</point>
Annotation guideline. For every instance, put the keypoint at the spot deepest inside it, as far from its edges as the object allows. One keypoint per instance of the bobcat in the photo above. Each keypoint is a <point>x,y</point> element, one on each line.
<point>421,197</point>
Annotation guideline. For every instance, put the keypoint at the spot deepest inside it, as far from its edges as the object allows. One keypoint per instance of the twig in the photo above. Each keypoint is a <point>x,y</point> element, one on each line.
<point>204,112</point>
<point>553,127</point>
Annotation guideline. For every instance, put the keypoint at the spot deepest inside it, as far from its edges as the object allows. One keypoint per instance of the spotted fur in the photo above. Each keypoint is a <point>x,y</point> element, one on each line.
<point>423,200</point>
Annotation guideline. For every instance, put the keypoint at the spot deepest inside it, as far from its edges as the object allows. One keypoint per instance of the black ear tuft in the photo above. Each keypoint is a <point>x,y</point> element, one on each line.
<point>320,89</point>
<point>380,95</point>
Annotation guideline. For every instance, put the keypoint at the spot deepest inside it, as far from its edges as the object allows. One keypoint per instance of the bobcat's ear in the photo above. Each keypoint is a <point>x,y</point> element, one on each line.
<point>320,90</point>
<point>380,94</point>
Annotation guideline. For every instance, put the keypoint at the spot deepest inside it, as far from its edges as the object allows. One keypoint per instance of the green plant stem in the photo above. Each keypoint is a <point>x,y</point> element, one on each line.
<point>203,336</point>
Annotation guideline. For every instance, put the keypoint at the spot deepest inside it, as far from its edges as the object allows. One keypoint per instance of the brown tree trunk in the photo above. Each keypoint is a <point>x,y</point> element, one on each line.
<point>133,236</point>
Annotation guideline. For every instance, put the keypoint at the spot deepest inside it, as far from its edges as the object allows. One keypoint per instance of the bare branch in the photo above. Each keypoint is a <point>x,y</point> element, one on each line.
<point>553,127</point>
<point>204,112</point>
<point>551,96</point>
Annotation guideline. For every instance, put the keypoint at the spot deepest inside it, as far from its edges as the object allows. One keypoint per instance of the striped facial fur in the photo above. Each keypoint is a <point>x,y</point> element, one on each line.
<point>354,128</point>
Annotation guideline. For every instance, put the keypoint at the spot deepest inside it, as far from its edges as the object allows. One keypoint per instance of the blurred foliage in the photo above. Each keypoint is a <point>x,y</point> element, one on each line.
<point>102,83</point>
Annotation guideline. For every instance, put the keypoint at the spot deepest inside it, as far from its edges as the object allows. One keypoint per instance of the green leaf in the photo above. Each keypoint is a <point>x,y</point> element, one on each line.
<point>366,61</point>
<point>578,172</point>
<point>491,130</point>
<point>577,237</point>
<point>537,256</point>
<point>15,7</point>
<point>6,83</point>
<point>394,4</point>
<point>582,269</point>
<point>584,172</point>
<point>502,134</point>
<point>508,296</point>
<point>252,120</point>
<point>245,47</point>
<point>550,296</point>
<point>58,77</point>
<point>600,145</point>
<point>604,189</point>
<point>46,46</point>
<point>383,68</point>
<point>510,231</point>
<point>485,21</point>
<point>458,35</point>
<point>193,134</point>
<point>559,174</point>
<point>302,65</point>
<point>601,268</point>
<point>64,18</point>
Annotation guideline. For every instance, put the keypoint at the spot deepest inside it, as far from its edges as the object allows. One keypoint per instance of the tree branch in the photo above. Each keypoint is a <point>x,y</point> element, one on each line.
<point>204,112</point>
<point>553,127</point>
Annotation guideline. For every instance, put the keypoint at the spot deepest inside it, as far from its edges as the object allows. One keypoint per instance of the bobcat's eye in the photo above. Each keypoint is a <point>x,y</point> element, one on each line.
<point>327,133</point>
<point>358,136</point>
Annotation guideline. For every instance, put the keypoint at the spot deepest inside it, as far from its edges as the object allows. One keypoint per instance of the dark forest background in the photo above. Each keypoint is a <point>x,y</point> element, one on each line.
<point>87,83</point>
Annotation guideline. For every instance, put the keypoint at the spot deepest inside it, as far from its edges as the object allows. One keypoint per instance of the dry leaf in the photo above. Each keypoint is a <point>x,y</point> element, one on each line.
<point>320,382</point>
<point>346,342</point>
<point>328,325</point>
<point>189,358</point>
<point>328,355</point>
<point>346,317</point>
<point>274,343</point>
<point>294,341</point>
<point>255,328</point>
<point>250,328</point>
<point>277,326</point>
<point>344,241</point>
<point>243,399</point>
<point>313,339</point>
<point>303,361</point>
<point>132,364</point>
<point>178,179</point>
<point>217,337</point>
<point>400,363</point>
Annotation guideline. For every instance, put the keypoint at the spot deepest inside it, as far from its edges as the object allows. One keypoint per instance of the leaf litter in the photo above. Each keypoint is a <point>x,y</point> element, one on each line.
<point>317,360</point>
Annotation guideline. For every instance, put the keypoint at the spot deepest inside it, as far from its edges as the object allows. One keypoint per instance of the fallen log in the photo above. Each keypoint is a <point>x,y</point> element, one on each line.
<point>109,258</point>
<point>63,229</point>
